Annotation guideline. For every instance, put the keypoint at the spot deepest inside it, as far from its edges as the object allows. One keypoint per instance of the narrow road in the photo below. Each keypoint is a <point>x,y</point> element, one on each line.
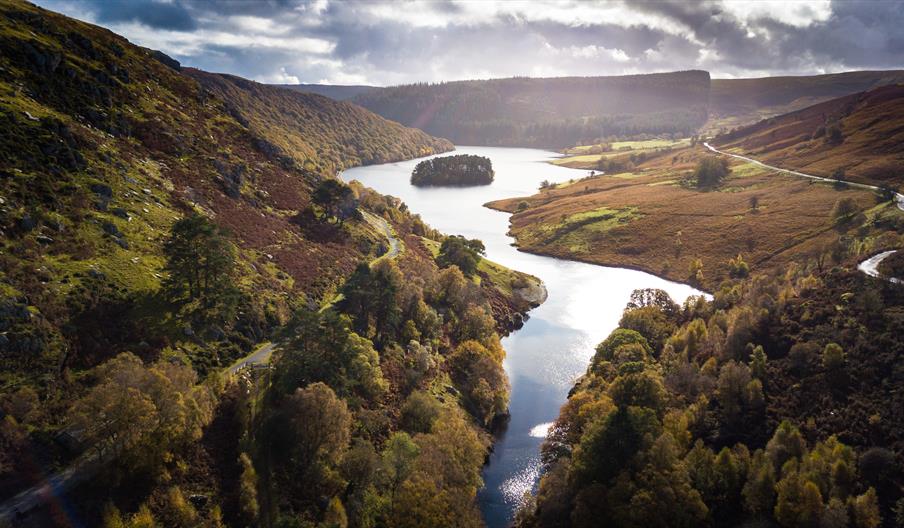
<point>383,227</point>
<point>899,198</point>
<point>261,356</point>
<point>870,266</point>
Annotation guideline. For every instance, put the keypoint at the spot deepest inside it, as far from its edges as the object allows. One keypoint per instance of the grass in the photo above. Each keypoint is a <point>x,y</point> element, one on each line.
<point>581,157</point>
<point>652,221</point>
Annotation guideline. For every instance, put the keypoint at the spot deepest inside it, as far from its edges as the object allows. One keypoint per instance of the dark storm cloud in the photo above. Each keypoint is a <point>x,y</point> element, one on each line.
<point>396,42</point>
<point>158,15</point>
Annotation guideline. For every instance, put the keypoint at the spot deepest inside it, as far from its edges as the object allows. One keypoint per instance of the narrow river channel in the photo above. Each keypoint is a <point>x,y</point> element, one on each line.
<point>554,347</point>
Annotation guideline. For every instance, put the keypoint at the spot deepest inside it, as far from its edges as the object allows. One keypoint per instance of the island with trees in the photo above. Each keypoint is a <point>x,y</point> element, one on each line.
<point>462,170</point>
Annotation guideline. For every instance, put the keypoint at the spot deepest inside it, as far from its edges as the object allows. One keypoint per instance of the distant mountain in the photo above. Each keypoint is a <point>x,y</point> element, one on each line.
<point>744,101</point>
<point>553,112</point>
<point>861,134</point>
<point>338,92</point>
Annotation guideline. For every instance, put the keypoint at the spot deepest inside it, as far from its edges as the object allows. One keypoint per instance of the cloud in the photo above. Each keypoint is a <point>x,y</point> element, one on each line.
<point>383,42</point>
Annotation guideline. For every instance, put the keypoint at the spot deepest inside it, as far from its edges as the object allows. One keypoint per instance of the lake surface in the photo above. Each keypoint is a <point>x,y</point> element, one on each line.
<point>554,347</point>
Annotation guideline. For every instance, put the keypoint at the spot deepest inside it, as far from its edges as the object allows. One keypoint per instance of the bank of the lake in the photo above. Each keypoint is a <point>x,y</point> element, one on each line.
<point>552,350</point>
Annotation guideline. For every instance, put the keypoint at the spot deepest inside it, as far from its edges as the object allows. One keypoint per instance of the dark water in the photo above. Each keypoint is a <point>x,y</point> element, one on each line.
<point>546,356</point>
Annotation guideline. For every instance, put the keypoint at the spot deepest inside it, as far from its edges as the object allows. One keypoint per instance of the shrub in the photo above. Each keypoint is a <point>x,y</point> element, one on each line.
<point>711,171</point>
<point>832,357</point>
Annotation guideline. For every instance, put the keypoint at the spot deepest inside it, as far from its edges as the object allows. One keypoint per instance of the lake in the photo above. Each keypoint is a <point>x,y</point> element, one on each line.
<point>554,347</point>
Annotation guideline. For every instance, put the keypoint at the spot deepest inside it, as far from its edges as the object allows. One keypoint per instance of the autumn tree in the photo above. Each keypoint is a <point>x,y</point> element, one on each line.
<point>141,413</point>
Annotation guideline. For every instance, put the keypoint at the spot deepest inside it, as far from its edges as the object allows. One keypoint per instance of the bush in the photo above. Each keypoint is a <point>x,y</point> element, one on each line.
<point>834,136</point>
<point>711,171</point>
<point>844,210</point>
<point>832,357</point>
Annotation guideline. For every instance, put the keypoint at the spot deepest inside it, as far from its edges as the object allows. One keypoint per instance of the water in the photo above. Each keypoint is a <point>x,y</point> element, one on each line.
<point>554,347</point>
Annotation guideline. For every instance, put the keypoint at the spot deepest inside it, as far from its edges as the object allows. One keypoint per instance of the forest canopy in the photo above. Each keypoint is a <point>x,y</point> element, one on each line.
<point>459,170</point>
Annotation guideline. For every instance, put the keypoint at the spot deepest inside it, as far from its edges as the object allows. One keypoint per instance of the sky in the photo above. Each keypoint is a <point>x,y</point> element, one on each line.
<point>388,43</point>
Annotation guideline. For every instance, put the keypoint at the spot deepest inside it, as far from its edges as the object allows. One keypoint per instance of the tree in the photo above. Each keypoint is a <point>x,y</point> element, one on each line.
<point>248,506</point>
<point>140,413</point>
<point>398,460</point>
<point>609,443</point>
<point>459,251</point>
<point>335,199</point>
<point>844,210</point>
<point>865,510</point>
<point>832,357</point>
<point>834,135</point>
<point>786,444</point>
<point>710,171</point>
<point>754,203</point>
<point>370,297</point>
<point>737,268</point>
<point>324,349</point>
<point>320,424</point>
<point>651,322</point>
<point>419,412</point>
<point>200,261</point>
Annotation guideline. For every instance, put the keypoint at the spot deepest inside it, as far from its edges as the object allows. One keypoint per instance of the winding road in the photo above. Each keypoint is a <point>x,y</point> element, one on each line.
<point>870,266</point>
<point>383,227</point>
<point>899,198</point>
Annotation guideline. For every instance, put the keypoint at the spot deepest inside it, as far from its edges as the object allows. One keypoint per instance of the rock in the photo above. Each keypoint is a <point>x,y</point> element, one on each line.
<point>215,333</point>
<point>102,204</point>
<point>121,213</point>
<point>44,239</point>
<point>111,229</point>
<point>102,189</point>
<point>95,274</point>
<point>166,60</point>
<point>121,243</point>
<point>27,223</point>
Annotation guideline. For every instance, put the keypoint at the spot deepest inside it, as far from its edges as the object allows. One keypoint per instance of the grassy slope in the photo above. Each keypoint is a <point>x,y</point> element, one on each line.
<point>872,150</point>
<point>587,157</point>
<point>735,102</point>
<point>637,219</point>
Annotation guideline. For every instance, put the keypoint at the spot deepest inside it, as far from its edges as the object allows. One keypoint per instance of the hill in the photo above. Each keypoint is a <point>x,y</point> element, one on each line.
<point>159,226</point>
<point>554,112</point>
<point>735,102</point>
<point>316,131</point>
<point>859,134</point>
<point>338,92</point>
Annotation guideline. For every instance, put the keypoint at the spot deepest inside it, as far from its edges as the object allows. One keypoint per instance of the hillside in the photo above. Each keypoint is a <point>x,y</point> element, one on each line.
<point>316,131</point>
<point>338,92</point>
<point>554,112</point>
<point>734,102</point>
<point>159,226</point>
<point>859,134</point>
<point>652,217</point>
